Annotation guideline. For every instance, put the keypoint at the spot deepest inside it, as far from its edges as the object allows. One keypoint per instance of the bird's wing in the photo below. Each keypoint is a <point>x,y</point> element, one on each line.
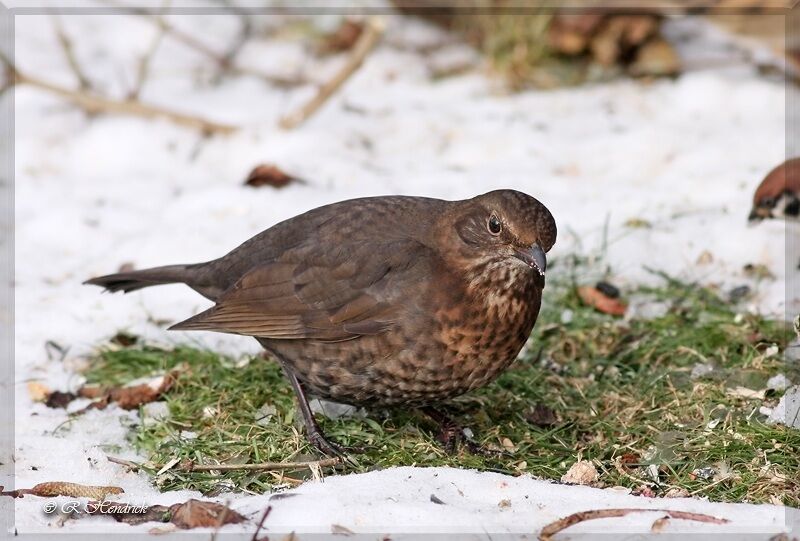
<point>328,293</point>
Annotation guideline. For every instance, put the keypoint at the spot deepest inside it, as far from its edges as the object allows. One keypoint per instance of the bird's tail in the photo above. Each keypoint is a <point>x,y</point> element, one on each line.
<point>133,280</point>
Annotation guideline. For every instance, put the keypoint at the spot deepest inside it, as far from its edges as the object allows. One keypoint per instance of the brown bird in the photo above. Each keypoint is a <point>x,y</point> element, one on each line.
<point>381,301</point>
<point>778,195</point>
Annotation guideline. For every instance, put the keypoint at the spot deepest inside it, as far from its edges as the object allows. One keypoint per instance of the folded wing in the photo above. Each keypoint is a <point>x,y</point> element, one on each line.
<point>326,293</point>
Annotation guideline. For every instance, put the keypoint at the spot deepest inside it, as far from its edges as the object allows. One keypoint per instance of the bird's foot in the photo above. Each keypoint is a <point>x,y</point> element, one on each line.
<point>331,448</point>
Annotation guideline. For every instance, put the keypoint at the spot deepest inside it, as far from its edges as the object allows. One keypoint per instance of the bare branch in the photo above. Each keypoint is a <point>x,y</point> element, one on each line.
<point>366,42</point>
<point>224,61</point>
<point>69,54</point>
<point>143,68</point>
<point>553,528</point>
<point>92,103</point>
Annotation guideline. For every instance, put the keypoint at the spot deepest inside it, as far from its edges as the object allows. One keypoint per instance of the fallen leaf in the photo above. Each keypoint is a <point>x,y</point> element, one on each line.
<point>656,58</point>
<point>57,399</point>
<point>269,175</point>
<point>435,499</point>
<point>676,492</point>
<point>593,297</point>
<point>705,258</point>
<point>124,339</point>
<point>338,529</point>
<point>38,391</point>
<point>744,392</point>
<point>659,524</point>
<point>131,397</point>
<point>342,39</point>
<point>582,472</point>
<point>629,461</point>
<point>504,504</point>
<point>200,514</point>
<point>62,488</point>
<point>569,33</point>
<point>542,416</point>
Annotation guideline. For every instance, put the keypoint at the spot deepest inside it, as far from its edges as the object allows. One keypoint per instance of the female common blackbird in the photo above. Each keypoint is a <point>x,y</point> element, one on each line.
<point>380,301</point>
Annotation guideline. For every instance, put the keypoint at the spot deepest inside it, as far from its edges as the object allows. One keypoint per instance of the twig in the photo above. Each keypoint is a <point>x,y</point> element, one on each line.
<point>261,523</point>
<point>366,42</point>
<point>188,466</point>
<point>69,53</point>
<point>224,61</point>
<point>143,68</point>
<point>92,103</point>
<point>553,528</point>
<point>128,463</point>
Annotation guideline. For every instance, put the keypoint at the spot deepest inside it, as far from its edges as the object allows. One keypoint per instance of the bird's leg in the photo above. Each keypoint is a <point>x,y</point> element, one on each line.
<point>313,431</point>
<point>450,432</point>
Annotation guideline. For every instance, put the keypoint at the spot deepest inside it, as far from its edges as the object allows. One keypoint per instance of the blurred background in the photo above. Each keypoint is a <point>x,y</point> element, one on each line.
<point>147,135</point>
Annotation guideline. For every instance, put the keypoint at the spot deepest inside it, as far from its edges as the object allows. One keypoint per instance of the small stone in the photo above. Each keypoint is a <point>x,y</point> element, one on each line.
<point>566,316</point>
<point>504,504</point>
<point>778,382</point>
<point>701,370</point>
<point>676,492</point>
<point>738,293</point>
<point>787,412</point>
<point>582,472</point>
<point>705,473</point>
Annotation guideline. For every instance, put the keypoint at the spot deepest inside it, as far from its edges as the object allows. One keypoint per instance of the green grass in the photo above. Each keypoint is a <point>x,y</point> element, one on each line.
<point>620,390</point>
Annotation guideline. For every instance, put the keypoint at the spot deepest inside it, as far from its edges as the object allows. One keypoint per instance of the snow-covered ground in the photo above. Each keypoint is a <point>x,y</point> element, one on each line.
<point>93,193</point>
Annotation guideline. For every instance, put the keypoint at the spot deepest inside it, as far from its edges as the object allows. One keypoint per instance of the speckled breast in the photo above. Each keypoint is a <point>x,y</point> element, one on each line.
<point>461,346</point>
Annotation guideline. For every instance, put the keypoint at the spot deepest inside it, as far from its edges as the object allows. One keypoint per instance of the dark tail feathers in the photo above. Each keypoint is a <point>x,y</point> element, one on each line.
<point>133,280</point>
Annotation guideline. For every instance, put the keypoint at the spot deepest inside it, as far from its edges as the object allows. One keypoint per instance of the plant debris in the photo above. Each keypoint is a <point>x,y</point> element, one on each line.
<point>553,528</point>
<point>582,472</point>
<point>268,174</point>
<point>597,299</point>
<point>343,39</point>
<point>186,516</point>
<point>61,488</point>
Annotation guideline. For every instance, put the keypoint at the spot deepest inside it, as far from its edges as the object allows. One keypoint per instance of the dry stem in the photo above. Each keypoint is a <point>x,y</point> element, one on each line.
<point>553,528</point>
<point>92,103</point>
<point>366,42</point>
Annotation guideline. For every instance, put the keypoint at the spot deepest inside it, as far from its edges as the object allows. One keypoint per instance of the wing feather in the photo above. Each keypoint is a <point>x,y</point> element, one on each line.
<point>312,294</point>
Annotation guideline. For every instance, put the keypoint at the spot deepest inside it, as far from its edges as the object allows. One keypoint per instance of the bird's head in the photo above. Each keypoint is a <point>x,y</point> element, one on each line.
<point>504,231</point>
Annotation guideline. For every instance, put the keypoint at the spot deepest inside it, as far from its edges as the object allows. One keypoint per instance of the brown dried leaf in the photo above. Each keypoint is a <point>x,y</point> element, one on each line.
<point>659,524</point>
<point>200,514</point>
<point>656,58</point>
<point>38,391</point>
<point>132,397</point>
<point>569,33</point>
<point>582,472</point>
<point>542,416</point>
<point>338,529</point>
<point>342,39</point>
<point>269,175</point>
<point>593,297</point>
<point>62,488</point>
<point>58,399</point>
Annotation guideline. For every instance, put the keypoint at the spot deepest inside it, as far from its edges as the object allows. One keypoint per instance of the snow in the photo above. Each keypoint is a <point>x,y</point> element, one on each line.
<point>94,193</point>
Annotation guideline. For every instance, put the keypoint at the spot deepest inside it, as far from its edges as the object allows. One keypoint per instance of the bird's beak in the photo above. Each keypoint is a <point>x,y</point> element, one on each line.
<point>535,258</point>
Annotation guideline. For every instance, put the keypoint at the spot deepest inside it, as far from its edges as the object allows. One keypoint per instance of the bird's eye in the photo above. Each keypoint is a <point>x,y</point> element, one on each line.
<point>494,225</point>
